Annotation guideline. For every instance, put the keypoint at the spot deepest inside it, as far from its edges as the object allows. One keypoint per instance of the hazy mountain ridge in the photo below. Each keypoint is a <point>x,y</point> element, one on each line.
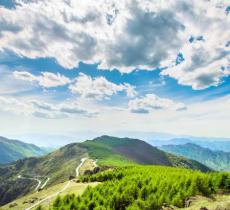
<point>12,150</point>
<point>217,160</point>
<point>215,145</point>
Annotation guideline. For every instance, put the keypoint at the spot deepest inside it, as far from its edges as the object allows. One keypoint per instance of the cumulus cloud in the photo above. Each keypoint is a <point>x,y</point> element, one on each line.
<point>99,87</point>
<point>152,102</point>
<point>200,77</point>
<point>42,109</point>
<point>46,79</point>
<point>206,54</point>
<point>125,35</point>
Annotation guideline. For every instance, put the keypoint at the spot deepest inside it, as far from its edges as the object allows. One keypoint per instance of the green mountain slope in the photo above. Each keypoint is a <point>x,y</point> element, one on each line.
<point>113,151</point>
<point>12,150</point>
<point>217,160</point>
<point>119,151</point>
<point>61,164</point>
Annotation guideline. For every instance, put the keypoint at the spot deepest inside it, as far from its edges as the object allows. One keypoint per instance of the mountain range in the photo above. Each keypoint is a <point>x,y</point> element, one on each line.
<point>217,160</point>
<point>61,164</point>
<point>12,150</point>
<point>210,143</point>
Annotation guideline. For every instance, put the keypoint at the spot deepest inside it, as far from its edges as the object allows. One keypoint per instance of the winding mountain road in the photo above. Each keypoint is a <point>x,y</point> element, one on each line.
<point>95,163</point>
<point>60,191</point>
<point>45,183</point>
<point>38,180</point>
<point>80,165</point>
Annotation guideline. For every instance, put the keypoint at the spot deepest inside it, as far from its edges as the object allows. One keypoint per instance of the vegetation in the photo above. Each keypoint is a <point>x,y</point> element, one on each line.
<point>217,160</point>
<point>10,189</point>
<point>144,187</point>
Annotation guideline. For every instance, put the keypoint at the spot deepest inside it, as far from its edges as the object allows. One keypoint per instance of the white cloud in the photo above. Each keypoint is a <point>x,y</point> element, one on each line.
<point>200,78</point>
<point>99,87</point>
<point>152,102</point>
<point>46,79</point>
<point>205,50</point>
<point>43,109</point>
<point>124,35</point>
<point>14,86</point>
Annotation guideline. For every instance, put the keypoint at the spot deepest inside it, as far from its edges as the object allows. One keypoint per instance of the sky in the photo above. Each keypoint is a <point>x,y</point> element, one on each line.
<point>74,69</point>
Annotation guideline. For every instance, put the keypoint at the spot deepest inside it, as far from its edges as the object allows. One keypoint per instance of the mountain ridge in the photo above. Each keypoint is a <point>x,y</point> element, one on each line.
<point>12,150</point>
<point>217,160</point>
<point>210,144</point>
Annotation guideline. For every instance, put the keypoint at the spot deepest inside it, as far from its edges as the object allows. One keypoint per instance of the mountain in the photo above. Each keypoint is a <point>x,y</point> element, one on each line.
<point>12,150</point>
<point>217,160</point>
<point>115,151</point>
<point>59,165</point>
<point>215,145</point>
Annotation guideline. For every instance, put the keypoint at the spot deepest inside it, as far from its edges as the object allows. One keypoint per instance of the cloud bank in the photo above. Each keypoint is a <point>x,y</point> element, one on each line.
<point>125,35</point>
<point>42,109</point>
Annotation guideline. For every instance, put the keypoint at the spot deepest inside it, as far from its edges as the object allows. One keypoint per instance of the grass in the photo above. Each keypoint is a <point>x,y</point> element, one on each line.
<point>116,160</point>
<point>219,202</point>
<point>105,154</point>
<point>25,202</point>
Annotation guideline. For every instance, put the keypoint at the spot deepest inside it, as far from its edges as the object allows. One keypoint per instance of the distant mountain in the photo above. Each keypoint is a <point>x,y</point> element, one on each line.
<point>217,160</point>
<point>217,145</point>
<point>61,164</point>
<point>12,150</point>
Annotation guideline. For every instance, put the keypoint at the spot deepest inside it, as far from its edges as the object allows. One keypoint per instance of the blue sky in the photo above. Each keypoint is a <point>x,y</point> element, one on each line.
<point>105,68</point>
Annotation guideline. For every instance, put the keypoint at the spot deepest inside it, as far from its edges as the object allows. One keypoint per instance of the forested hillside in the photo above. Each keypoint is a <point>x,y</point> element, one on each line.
<point>144,188</point>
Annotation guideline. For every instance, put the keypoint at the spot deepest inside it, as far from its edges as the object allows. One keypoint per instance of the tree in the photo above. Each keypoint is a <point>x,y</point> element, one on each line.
<point>58,202</point>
